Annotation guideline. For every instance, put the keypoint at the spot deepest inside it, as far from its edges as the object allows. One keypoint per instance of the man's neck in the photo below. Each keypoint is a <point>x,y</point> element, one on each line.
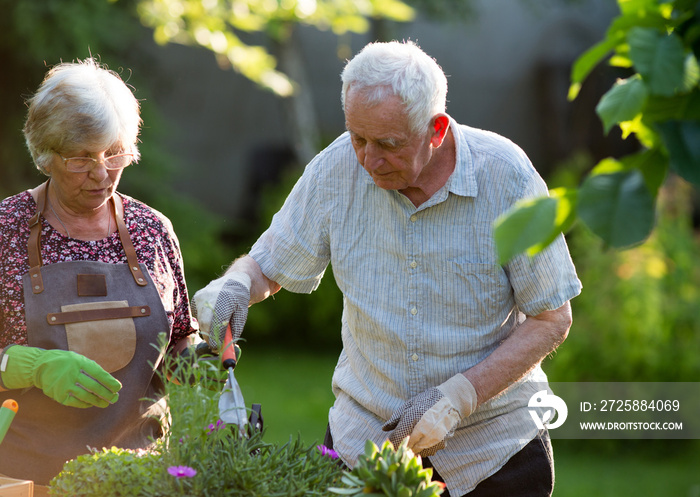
<point>436,173</point>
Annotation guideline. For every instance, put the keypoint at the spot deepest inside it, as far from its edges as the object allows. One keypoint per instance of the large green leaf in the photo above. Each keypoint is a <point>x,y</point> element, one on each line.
<point>659,58</point>
<point>622,102</point>
<point>617,207</point>
<point>531,225</point>
<point>682,140</point>
<point>526,224</point>
<point>564,219</point>
<point>652,164</point>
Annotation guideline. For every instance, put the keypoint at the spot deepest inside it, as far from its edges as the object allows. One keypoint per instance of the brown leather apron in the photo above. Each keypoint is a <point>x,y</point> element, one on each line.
<point>111,313</point>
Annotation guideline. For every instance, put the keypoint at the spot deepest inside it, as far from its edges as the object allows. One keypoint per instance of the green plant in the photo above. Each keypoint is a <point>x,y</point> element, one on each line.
<point>389,472</point>
<point>638,319</point>
<point>658,43</point>
<point>199,456</point>
<point>110,472</point>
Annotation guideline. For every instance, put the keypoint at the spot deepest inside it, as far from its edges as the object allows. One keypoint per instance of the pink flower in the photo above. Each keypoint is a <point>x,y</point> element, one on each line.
<point>182,471</point>
<point>327,452</point>
<point>215,427</point>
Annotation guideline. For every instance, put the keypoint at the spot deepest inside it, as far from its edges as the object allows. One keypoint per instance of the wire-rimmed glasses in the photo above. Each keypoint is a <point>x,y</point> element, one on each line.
<point>85,164</point>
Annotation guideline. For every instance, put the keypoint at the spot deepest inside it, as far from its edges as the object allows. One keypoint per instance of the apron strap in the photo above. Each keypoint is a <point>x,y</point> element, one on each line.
<point>34,244</point>
<point>131,258</point>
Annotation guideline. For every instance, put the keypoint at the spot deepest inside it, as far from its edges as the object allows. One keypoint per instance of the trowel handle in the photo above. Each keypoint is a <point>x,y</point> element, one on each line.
<point>228,353</point>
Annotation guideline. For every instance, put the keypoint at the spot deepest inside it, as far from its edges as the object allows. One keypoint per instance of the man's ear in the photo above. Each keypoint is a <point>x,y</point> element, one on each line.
<point>441,123</point>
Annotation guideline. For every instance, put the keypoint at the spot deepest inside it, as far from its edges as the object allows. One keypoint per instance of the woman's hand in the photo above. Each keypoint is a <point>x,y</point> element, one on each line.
<point>69,378</point>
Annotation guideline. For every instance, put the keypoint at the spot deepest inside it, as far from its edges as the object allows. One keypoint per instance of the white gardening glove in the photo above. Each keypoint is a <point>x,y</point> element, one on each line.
<point>431,417</point>
<point>224,300</point>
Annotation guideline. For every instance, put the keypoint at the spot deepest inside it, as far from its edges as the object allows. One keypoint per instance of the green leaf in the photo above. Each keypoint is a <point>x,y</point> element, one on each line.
<point>617,207</point>
<point>587,62</point>
<point>665,108</point>
<point>652,164</point>
<point>682,140</point>
<point>659,58</point>
<point>634,6</point>
<point>394,10</point>
<point>528,223</point>
<point>691,74</point>
<point>622,102</point>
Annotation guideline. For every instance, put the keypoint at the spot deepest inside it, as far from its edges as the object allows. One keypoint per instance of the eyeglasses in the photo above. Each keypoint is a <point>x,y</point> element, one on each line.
<point>85,164</point>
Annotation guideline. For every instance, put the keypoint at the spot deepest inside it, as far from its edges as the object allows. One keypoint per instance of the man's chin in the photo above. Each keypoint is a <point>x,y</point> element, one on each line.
<point>388,184</point>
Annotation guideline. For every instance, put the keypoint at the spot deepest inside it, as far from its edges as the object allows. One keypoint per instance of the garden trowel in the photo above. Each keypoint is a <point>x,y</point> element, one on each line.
<point>232,409</point>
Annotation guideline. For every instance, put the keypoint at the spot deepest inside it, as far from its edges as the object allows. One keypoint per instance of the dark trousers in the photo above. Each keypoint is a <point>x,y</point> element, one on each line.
<point>529,473</point>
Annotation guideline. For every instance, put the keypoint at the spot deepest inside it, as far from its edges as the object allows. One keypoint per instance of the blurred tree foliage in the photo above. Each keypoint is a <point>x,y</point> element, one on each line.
<point>658,43</point>
<point>221,25</point>
<point>37,35</point>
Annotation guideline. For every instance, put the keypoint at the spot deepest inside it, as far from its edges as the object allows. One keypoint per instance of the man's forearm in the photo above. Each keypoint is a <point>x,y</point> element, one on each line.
<point>261,286</point>
<point>527,346</point>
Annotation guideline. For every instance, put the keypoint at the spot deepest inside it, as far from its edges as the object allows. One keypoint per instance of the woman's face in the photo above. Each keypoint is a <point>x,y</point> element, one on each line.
<point>83,192</point>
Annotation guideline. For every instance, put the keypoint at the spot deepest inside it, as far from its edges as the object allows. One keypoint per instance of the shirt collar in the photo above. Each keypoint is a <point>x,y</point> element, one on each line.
<point>462,181</point>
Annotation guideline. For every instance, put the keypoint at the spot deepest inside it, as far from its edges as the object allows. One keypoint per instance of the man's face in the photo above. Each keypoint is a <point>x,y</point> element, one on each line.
<point>383,142</point>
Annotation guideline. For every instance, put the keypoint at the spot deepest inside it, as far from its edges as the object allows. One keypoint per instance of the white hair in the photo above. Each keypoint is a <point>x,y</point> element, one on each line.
<point>81,105</point>
<point>401,69</point>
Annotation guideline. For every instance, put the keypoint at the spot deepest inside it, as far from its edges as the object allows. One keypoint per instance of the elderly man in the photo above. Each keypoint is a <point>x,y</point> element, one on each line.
<point>441,344</point>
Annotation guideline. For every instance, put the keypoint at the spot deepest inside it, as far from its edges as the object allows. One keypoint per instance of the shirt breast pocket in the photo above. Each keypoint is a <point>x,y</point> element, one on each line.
<point>474,294</point>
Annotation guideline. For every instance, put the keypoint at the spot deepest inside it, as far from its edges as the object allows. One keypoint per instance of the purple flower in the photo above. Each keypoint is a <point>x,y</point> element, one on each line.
<point>182,471</point>
<point>215,427</point>
<point>325,451</point>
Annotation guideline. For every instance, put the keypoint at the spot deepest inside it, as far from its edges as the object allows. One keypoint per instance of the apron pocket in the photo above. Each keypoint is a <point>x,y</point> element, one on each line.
<point>111,343</point>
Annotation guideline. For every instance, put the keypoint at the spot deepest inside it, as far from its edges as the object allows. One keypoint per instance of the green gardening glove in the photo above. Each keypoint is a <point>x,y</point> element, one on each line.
<point>69,378</point>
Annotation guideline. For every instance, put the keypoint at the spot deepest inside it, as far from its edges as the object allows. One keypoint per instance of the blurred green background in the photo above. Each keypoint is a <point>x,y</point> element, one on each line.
<point>636,320</point>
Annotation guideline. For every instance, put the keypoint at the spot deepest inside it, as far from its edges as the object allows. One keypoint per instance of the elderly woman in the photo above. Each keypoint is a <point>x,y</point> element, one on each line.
<point>89,280</point>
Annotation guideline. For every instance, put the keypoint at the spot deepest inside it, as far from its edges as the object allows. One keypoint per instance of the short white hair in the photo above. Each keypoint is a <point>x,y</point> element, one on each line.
<point>79,105</point>
<point>401,69</point>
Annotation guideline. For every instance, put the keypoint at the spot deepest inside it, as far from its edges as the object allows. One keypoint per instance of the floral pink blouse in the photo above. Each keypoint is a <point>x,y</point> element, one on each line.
<point>153,238</point>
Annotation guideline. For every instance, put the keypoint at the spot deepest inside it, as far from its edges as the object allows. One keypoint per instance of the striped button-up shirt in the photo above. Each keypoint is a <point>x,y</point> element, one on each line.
<point>424,297</point>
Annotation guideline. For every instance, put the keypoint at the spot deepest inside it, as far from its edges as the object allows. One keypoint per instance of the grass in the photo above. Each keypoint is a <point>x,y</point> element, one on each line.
<point>666,473</point>
<point>294,389</point>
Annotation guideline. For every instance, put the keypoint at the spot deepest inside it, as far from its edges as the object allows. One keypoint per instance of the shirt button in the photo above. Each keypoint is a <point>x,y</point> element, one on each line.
<point>413,264</point>
<point>414,218</point>
<point>414,357</point>
<point>414,311</point>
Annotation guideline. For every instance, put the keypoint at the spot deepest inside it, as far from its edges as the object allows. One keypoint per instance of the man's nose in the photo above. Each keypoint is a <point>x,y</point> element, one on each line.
<point>373,157</point>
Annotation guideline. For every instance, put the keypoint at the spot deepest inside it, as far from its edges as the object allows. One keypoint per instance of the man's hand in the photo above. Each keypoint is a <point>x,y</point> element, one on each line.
<point>222,301</point>
<point>431,417</point>
<point>69,378</point>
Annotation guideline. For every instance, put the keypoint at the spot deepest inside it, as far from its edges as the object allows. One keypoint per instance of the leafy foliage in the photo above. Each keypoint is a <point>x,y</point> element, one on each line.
<point>658,42</point>
<point>221,462</point>
<point>218,25</point>
<point>638,321</point>
<point>37,35</point>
